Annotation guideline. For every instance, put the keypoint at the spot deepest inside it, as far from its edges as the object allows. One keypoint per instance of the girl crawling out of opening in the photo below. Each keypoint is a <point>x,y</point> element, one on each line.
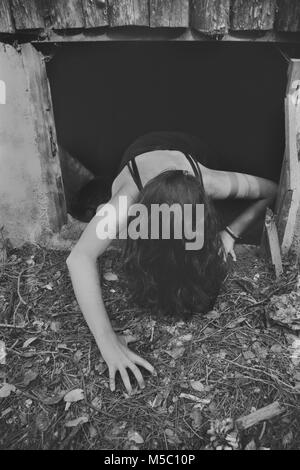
<point>171,168</point>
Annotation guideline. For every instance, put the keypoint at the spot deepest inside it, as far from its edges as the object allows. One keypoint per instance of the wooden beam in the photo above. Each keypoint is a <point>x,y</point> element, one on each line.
<point>270,243</point>
<point>66,14</point>
<point>288,15</point>
<point>293,82</point>
<point>28,15</point>
<point>252,15</point>
<point>169,13</point>
<point>210,16</point>
<point>263,414</point>
<point>42,110</point>
<point>6,21</point>
<point>128,13</point>
<point>288,198</point>
<point>158,34</point>
<point>95,13</point>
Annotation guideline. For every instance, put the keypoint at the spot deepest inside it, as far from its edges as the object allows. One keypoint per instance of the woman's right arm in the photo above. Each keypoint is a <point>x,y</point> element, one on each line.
<point>82,264</point>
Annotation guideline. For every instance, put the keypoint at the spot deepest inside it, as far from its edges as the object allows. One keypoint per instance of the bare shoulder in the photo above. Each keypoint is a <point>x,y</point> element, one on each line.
<point>123,183</point>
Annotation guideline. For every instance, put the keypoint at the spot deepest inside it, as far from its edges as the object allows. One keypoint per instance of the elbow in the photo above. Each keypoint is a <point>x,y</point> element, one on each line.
<point>71,259</point>
<point>77,258</point>
<point>74,259</point>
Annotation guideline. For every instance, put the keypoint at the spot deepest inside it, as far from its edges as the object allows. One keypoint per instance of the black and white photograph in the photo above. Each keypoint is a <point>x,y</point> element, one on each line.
<point>149,227</point>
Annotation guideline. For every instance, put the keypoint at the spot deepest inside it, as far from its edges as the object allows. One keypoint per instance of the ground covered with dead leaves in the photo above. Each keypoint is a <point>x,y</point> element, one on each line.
<point>242,356</point>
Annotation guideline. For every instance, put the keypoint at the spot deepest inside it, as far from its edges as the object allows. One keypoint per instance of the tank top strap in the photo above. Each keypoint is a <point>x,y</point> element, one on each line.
<point>132,167</point>
<point>194,166</point>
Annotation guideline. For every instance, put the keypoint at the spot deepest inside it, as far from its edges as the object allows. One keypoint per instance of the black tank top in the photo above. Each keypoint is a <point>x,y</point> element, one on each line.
<point>192,147</point>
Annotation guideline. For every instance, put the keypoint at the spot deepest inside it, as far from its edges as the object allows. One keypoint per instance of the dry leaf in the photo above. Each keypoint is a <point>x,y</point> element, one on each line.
<point>175,353</point>
<point>55,326</point>
<point>284,310</point>
<point>172,437</point>
<point>76,422</point>
<point>55,399</point>
<point>109,276</point>
<point>118,428</point>
<point>196,416</point>
<point>93,431</point>
<point>29,377</point>
<point>48,286</point>
<point>156,403</point>
<point>248,355</point>
<point>73,396</point>
<point>295,351</point>
<point>6,390</point>
<point>197,385</point>
<point>213,315</point>
<point>260,350</point>
<point>101,367</point>
<point>208,331</point>
<point>135,437</point>
<point>287,439</point>
<point>97,402</point>
<point>236,322</point>
<point>251,445</point>
<point>42,421</point>
<point>276,348</point>
<point>77,356</point>
<point>186,338</point>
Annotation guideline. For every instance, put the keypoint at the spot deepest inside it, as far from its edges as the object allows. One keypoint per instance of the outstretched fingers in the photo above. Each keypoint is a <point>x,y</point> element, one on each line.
<point>112,378</point>
<point>138,375</point>
<point>233,255</point>
<point>126,381</point>
<point>142,362</point>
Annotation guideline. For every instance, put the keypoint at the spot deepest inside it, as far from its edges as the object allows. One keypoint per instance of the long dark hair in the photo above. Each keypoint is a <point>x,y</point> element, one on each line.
<point>163,275</point>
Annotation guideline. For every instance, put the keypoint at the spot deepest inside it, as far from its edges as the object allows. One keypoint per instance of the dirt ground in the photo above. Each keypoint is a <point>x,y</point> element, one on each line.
<point>210,371</point>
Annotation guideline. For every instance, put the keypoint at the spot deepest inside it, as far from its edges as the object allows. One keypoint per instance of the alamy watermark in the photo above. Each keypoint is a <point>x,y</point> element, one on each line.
<point>164,221</point>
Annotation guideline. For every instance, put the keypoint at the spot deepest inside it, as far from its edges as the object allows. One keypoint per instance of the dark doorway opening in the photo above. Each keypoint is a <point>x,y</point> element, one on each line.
<point>231,95</point>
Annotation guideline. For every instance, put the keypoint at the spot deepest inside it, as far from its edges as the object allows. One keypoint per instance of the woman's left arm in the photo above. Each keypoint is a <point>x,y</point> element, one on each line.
<point>225,185</point>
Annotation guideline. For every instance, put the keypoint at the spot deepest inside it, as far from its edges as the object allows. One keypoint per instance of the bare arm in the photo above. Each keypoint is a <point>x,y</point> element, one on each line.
<point>225,185</point>
<point>82,264</point>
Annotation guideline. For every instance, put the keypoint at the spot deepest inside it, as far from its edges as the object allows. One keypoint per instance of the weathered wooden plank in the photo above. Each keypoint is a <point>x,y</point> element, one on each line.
<point>46,140</point>
<point>288,198</point>
<point>169,13</point>
<point>28,15</point>
<point>263,414</point>
<point>288,15</point>
<point>95,13</point>
<point>210,16</point>
<point>293,82</point>
<point>128,13</point>
<point>270,242</point>
<point>66,14</point>
<point>6,21</point>
<point>31,195</point>
<point>251,15</point>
